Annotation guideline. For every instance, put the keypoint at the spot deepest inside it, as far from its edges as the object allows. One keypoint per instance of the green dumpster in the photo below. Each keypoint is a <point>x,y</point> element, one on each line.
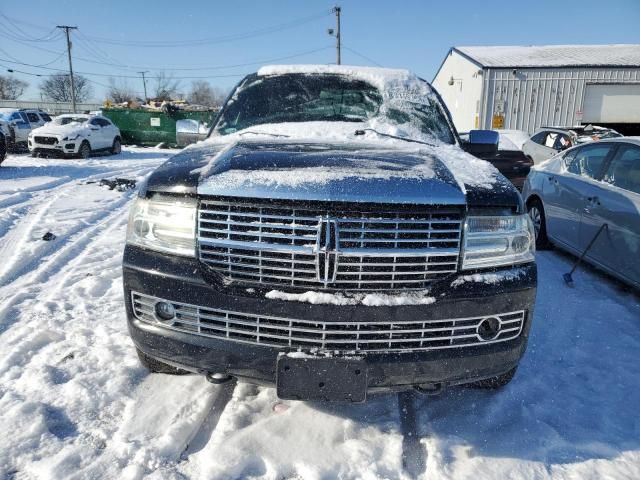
<point>148,127</point>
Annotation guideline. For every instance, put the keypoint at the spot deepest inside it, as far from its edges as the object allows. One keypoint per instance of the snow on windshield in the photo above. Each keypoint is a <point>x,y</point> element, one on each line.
<point>392,102</point>
<point>64,120</point>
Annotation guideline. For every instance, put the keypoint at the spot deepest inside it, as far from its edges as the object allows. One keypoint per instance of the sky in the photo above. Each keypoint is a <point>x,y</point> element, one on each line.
<point>220,41</point>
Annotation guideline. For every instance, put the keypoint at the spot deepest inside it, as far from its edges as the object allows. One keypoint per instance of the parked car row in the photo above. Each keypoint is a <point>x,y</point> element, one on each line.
<point>18,123</point>
<point>584,178</point>
<point>547,141</point>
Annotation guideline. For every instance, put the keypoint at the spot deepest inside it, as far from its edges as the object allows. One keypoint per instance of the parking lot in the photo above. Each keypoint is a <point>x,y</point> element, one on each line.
<point>75,402</point>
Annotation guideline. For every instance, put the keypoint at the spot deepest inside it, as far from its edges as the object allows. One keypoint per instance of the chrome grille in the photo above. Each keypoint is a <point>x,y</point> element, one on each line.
<point>350,336</point>
<point>310,247</point>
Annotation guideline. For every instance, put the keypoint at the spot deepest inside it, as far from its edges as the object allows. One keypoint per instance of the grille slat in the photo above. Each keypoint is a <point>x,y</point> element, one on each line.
<point>371,249</point>
<point>341,336</point>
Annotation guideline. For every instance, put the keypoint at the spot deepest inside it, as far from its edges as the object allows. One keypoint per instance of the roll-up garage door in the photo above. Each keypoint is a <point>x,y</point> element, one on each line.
<point>611,103</point>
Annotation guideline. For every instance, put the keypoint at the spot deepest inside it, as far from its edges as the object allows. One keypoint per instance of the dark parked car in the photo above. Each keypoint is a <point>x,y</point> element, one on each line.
<point>508,159</point>
<point>331,238</point>
<point>572,195</point>
<point>3,147</point>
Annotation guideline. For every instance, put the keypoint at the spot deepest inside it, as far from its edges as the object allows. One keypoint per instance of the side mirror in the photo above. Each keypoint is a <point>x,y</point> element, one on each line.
<point>190,131</point>
<point>482,142</point>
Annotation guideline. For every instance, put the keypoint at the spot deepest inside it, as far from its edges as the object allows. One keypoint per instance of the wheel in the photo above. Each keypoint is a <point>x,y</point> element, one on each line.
<point>34,153</point>
<point>155,366</point>
<point>3,148</point>
<point>494,383</point>
<point>85,150</point>
<point>117,146</point>
<point>536,213</point>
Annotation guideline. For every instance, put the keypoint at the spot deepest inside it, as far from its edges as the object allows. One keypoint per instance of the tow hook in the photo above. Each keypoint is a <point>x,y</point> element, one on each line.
<point>430,388</point>
<point>218,378</point>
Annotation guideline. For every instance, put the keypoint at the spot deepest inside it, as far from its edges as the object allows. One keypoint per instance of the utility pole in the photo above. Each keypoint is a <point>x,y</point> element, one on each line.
<point>144,82</point>
<point>337,11</point>
<point>73,86</point>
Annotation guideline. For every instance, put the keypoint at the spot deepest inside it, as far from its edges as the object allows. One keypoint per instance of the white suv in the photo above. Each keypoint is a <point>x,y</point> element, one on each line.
<point>75,135</point>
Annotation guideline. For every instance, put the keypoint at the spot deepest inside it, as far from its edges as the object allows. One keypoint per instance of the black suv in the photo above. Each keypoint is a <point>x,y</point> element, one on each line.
<point>331,238</point>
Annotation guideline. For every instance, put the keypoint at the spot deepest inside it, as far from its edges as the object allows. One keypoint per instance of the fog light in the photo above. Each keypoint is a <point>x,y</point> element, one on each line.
<point>165,311</point>
<point>489,328</point>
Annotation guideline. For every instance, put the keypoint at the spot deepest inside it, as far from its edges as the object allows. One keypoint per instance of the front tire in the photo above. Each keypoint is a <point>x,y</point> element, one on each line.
<point>117,146</point>
<point>536,213</point>
<point>155,366</point>
<point>495,383</point>
<point>85,150</point>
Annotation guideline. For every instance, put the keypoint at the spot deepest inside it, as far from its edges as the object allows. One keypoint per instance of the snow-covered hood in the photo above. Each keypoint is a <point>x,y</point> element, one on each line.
<point>53,130</point>
<point>338,171</point>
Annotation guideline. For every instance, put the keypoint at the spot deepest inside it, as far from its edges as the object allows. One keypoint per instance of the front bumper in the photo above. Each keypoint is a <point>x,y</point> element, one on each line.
<point>183,280</point>
<point>61,149</point>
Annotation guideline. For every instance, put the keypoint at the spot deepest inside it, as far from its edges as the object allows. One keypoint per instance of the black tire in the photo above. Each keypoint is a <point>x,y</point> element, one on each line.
<point>155,366</point>
<point>495,383</point>
<point>34,154</point>
<point>116,148</point>
<point>85,150</point>
<point>536,213</point>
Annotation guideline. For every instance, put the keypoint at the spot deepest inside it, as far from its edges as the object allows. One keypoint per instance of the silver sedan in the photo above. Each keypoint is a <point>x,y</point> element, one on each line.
<point>572,195</point>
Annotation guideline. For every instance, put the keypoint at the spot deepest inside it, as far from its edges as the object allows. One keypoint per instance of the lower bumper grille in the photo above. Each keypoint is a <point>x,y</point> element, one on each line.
<point>341,336</point>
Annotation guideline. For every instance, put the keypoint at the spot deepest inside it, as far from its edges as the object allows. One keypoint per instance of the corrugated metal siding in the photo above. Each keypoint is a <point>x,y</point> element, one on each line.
<point>537,97</point>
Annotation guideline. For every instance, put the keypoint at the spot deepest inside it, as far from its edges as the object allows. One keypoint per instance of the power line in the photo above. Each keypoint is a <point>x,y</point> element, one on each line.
<point>221,39</point>
<point>260,62</point>
<point>368,59</point>
<point>14,21</point>
<point>179,69</point>
<point>14,32</point>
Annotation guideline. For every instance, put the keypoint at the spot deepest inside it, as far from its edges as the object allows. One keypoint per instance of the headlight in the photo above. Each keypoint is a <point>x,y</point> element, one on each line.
<point>494,241</point>
<point>70,137</point>
<point>164,223</point>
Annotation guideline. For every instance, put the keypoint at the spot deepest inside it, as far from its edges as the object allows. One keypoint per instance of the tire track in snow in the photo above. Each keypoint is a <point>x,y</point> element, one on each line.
<point>20,234</point>
<point>414,454</point>
<point>56,255</point>
<point>166,416</point>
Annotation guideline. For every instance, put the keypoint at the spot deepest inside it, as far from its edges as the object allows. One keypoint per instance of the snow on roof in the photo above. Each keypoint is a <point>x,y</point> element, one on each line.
<point>554,55</point>
<point>380,77</point>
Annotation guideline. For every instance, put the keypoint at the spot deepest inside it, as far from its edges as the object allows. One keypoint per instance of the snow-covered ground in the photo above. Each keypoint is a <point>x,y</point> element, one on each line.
<point>75,403</point>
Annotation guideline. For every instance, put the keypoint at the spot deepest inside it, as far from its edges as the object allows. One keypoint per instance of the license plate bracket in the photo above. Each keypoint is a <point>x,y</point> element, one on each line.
<point>333,379</point>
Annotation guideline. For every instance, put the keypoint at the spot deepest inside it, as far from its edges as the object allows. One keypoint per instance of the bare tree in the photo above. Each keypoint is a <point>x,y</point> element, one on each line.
<point>120,92</point>
<point>11,88</point>
<point>166,87</point>
<point>58,88</point>
<point>202,93</point>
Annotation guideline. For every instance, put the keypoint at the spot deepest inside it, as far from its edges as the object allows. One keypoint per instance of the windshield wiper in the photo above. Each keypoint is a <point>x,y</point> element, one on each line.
<point>361,132</point>
<point>264,133</point>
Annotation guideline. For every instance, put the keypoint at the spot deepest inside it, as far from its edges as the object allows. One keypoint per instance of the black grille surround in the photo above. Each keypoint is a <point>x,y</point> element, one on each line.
<point>324,246</point>
<point>45,140</point>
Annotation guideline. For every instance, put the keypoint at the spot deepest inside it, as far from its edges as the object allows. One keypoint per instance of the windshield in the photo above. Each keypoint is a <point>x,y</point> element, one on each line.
<point>68,120</point>
<point>333,98</point>
<point>298,98</point>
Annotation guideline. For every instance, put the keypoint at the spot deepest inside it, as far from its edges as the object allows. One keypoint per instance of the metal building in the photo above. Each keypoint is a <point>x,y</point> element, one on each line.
<point>531,86</point>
